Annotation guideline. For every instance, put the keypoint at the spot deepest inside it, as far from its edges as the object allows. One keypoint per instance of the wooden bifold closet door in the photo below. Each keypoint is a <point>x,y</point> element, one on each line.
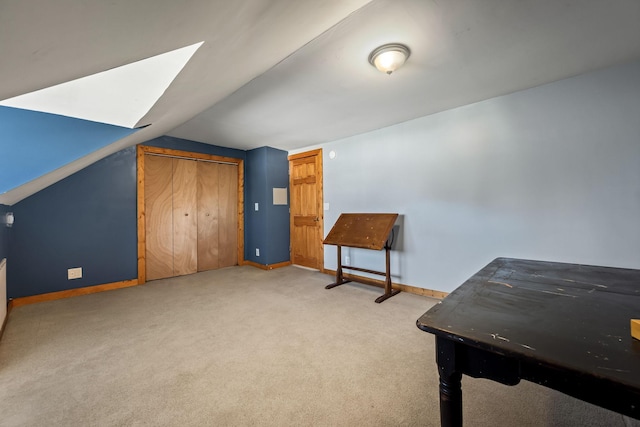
<point>191,216</point>
<point>158,201</point>
<point>217,215</point>
<point>185,221</point>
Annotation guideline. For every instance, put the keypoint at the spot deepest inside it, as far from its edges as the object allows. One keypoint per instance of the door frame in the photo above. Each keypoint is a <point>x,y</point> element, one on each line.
<point>319,198</point>
<point>141,150</point>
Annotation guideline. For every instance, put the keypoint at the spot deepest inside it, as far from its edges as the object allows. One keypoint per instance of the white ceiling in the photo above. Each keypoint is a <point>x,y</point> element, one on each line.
<point>462,52</point>
<point>291,73</point>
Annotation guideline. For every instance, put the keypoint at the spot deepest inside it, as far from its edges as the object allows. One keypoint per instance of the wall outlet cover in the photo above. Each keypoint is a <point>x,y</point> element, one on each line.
<point>74,273</point>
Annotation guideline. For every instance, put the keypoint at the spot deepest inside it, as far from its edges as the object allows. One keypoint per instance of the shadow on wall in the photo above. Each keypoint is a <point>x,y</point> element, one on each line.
<point>4,232</point>
<point>397,234</point>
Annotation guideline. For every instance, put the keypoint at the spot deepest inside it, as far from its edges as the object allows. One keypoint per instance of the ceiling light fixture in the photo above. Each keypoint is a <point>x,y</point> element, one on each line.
<point>389,57</point>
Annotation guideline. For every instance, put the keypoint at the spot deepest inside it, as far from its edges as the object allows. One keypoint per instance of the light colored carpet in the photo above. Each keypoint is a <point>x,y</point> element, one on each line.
<point>242,346</point>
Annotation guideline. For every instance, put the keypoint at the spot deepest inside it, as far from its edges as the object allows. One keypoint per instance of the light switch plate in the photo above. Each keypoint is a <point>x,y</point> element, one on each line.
<point>256,206</point>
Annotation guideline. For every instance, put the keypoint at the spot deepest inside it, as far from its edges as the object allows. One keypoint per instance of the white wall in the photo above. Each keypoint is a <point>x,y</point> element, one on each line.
<point>549,173</point>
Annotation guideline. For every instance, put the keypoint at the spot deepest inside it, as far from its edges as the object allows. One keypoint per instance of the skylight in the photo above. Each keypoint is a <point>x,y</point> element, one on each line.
<point>121,96</point>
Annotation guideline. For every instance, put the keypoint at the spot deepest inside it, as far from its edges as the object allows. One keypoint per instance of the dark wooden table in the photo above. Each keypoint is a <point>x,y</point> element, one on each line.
<point>564,326</point>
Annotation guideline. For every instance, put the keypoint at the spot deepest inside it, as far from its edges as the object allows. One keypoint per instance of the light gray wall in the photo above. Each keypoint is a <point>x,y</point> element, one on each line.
<point>549,173</point>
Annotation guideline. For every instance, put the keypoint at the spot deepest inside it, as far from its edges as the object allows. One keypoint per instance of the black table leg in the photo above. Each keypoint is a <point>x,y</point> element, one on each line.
<point>450,384</point>
<point>451,401</point>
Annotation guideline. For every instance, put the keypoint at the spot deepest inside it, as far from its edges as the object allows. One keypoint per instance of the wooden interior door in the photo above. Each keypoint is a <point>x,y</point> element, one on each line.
<point>228,214</point>
<point>208,253</point>
<point>158,200</point>
<point>305,175</point>
<point>185,222</point>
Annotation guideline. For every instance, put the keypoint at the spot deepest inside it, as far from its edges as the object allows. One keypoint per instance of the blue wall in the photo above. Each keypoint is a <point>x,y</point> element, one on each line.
<point>42,142</point>
<point>256,191</point>
<point>267,228</point>
<point>87,220</point>
<point>4,233</point>
<point>277,215</point>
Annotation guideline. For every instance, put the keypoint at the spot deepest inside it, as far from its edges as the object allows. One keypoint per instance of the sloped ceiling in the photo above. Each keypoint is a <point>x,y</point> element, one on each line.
<point>44,43</point>
<point>291,73</point>
<point>462,51</point>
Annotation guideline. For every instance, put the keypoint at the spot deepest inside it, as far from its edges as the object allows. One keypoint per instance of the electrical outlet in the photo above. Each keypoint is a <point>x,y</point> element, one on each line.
<point>256,207</point>
<point>257,252</point>
<point>74,273</point>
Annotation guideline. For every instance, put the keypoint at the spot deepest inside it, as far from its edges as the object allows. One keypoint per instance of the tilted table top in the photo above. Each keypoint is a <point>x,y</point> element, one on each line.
<point>361,230</point>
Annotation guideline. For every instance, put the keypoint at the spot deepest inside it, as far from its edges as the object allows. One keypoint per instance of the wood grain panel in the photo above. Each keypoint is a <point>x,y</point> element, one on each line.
<point>306,209</point>
<point>144,152</point>
<point>240,219</point>
<point>51,296</point>
<point>305,220</point>
<point>185,222</point>
<point>362,230</point>
<point>208,257</point>
<point>142,228</point>
<point>268,266</point>
<point>158,217</point>
<point>168,152</point>
<point>228,215</point>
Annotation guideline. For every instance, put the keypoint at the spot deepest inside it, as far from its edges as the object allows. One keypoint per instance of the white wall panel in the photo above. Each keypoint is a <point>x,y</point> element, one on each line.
<point>549,173</point>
